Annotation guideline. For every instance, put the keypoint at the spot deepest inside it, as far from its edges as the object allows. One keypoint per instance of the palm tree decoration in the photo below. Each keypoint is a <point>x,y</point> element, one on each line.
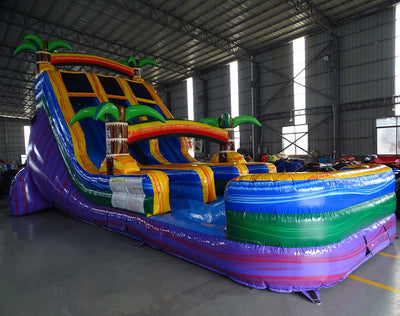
<point>137,64</point>
<point>116,118</point>
<point>228,123</point>
<point>43,49</point>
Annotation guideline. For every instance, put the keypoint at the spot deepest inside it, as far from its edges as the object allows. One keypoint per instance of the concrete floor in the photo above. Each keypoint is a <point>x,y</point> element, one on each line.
<point>51,264</point>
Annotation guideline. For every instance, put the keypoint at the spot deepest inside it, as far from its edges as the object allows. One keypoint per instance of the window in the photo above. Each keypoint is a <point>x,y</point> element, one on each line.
<point>397,59</point>
<point>388,136</point>
<point>110,85</point>
<point>388,129</point>
<point>190,106</point>
<point>234,79</point>
<point>299,73</point>
<point>76,82</point>
<point>295,138</point>
<point>296,134</point>
<point>27,133</point>
<point>139,90</point>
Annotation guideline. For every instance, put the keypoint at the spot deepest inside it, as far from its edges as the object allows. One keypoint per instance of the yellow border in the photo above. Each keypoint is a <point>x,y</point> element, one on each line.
<point>77,135</point>
<point>155,151</point>
<point>206,176</point>
<point>160,183</point>
<point>159,102</point>
<point>97,87</point>
<point>374,169</point>
<point>153,143</point>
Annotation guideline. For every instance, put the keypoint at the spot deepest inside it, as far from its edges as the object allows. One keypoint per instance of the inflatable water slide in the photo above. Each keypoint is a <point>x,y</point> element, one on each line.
<point>106,150</point>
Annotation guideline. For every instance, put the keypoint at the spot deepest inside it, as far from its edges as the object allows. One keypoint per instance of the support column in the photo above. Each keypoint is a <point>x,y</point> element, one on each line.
<point>254,95</point>
<point>7,157</point>
<point>203,98</point>
<point>337,150</point>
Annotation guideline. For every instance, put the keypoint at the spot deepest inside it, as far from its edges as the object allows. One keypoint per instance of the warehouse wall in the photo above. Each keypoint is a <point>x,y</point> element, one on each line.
<point>219,97</point>
<point>178,100</point>
<point>364,85</point>
<point>12,144</point>
<point>322,63</point>
<point>367,58</point>
<point>275,96</point>
<point>355,70</point>
<point>366,79</point>
<point>246,106</point>
<point>211,98</point>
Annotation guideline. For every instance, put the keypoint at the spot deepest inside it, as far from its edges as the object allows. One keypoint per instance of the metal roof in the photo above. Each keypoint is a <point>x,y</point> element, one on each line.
<point>186,37</point>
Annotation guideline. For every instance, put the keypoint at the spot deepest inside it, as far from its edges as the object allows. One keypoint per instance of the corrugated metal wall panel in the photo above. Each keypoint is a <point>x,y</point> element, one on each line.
<point>375,50</point>
<point>275,95</point>
<point>219,100</point>
<point>358,129</point>
<point>319,58</point>
<point>178,97</point>
<point>199,99</point>
<point>361,91</point>
<point>12,144</point>
<point>321,134</point>
<point>366,73</point>
<point>244,87</point>
<point>245,105</point>
<point>367,58</point>
<point>276,71</point>
<point>163,94</point>
<point>272,141</point>
<point>357,139</point>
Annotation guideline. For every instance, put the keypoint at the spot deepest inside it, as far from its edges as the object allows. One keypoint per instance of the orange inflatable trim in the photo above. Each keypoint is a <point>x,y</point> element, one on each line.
<point>84,59</point>
<point>155,129</point>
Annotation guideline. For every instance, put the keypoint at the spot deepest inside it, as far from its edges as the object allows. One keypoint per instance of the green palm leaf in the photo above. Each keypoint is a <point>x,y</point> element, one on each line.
<point>147,61</point>
<point>245,119</point>
<point>35,40</point>
<point>25,46</point>
<point>106,108</point>
<point>131,61</point>
<point>210,121</point>
<point>84,113</point>
<point>142,110</point>
<point>53,45</point>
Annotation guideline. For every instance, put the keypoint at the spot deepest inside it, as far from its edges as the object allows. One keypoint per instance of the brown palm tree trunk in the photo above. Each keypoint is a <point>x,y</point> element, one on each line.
<point>137,73</point>
<point>229,146</point>
<point>116,139</point>
<point>42,56</point>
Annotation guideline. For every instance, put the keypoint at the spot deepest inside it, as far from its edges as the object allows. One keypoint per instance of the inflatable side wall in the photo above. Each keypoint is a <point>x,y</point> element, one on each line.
<point>307,209</point>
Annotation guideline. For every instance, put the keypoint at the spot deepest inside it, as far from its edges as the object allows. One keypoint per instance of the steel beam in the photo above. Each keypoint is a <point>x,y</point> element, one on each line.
<point>312,12</point>
<point>157,15</point>
<point>291,80</point>
<point>95,43</point>
<point>336,97</point>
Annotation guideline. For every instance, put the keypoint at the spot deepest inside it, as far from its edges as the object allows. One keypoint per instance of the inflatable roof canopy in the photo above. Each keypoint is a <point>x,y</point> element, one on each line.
<point>106,150</point>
